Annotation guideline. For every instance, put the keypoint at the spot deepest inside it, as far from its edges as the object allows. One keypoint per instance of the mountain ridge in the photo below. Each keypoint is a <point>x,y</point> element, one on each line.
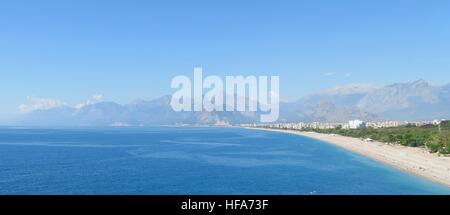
<point>415,100</point>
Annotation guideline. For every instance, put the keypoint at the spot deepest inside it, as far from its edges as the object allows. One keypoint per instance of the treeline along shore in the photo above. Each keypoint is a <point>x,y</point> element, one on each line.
<point>435,138</point>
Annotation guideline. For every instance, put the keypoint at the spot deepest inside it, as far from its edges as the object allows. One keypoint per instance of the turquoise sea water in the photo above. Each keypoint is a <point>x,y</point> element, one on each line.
<point>189,161</point>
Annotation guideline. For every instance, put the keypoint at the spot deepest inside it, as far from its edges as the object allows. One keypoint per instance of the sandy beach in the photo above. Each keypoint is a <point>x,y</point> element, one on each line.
<point>414,160</point>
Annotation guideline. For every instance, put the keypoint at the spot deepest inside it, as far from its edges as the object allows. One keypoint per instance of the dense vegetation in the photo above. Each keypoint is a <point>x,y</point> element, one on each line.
<point>428,136</point>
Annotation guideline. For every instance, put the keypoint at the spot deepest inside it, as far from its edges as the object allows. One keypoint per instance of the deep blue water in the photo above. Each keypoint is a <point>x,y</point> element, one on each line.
<point>189,161</point>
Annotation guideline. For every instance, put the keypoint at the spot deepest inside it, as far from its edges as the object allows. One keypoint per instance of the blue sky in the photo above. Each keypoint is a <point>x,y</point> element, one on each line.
<point>125,50</point>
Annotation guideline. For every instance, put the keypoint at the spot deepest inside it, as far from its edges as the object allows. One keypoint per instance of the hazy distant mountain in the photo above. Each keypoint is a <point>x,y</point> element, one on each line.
<point>418,100</point>
<point>55,116</point>
<point>323,111</point>
<point>400,96</point>
<point>334,105</point>
<point>139,112</point>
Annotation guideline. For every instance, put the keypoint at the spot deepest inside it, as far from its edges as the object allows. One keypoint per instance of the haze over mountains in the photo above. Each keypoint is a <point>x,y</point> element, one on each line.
<point>417,100</point>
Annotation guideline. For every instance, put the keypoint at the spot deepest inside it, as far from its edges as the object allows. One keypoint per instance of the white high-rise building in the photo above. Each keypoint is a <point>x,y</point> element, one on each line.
<point>357,124</point>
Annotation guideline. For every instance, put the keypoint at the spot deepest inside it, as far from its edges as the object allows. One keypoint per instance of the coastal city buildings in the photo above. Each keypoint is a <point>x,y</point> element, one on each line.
<point>356,124</point>
<point>352,124</point>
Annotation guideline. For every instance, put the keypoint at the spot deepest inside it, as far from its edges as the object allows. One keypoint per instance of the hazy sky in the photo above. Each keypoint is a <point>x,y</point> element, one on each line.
<point>125,50</point>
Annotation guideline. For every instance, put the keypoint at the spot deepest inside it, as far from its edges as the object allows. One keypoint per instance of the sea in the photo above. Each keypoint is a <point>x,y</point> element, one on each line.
<point>190,160</point>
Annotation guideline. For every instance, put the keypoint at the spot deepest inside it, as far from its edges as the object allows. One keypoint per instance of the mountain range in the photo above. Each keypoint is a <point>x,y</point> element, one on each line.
<point>416,100</point>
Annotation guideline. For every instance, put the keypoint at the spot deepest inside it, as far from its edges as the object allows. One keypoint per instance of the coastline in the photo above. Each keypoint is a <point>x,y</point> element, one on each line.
<point>417,161</point>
